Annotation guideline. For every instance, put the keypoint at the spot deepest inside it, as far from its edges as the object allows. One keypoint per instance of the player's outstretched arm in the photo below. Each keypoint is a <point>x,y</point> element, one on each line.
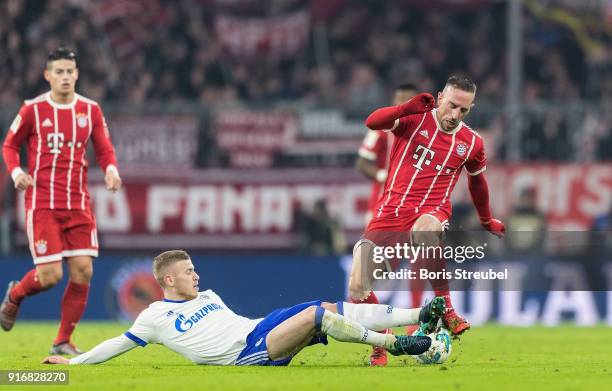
<point>105,152</point>
<point>103,352</point>
<point>479,190</point>
<point>384,118</point>
<point>19,131</point>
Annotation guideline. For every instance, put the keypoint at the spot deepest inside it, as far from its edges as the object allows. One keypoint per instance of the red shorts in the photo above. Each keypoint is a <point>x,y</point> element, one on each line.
<point>404,223</point>
<point>388,231</point>
<point>55,234</point>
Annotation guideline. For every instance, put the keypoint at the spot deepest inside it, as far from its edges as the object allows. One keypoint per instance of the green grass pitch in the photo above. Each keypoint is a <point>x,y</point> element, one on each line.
<point>486,358</point>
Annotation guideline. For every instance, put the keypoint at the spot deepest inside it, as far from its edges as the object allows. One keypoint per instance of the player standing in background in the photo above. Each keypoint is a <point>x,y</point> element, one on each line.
<point>432,145</point>
<point>56,128</point>
<point>373,163</point>
<point>373,159</point>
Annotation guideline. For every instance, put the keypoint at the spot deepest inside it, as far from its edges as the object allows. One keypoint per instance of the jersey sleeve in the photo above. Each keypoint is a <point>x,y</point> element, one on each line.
<point>372,145</point>
<point>143,330</point>
<point>477,162</point>
<point>405,126</point>
<point>21,128</point>
<point>105,152</point>
<point>104,351</point>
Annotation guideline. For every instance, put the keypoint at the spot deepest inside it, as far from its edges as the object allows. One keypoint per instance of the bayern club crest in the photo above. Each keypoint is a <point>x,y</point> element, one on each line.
<point>81,120</point>
<point>461,149</point>
<point>41,246</point>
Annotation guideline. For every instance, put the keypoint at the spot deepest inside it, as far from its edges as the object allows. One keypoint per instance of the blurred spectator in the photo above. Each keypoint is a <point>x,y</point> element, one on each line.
<point>526,225</point>
<point>601,233</point>
<point>351,55</point>
<point>319,233</point>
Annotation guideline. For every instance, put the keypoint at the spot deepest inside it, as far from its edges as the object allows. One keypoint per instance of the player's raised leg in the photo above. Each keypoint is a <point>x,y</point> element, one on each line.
<point>360,288</point>
<point>362,268</point>
<point>297,332</point>
<point>416,287</point>
<point>73,303</point>
<point>294,334</point>
<point>428,231</point>
<point>382,316</point>
<point>43,277</point>
<point>45,243</point>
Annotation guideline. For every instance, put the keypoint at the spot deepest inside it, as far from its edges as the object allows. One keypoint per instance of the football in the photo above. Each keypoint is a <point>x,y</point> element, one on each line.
<point>440,349</point>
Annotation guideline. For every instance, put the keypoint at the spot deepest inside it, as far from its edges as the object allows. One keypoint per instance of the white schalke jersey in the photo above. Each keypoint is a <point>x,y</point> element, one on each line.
<point>204,329</point>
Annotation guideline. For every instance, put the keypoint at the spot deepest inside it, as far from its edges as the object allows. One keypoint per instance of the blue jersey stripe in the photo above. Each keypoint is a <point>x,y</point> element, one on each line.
<point>135,339</point>
<point>175,301</point>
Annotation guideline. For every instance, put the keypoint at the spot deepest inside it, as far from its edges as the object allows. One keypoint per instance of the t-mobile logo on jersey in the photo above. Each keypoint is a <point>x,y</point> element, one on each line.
<point>55,141</point>
<point>423,157</point>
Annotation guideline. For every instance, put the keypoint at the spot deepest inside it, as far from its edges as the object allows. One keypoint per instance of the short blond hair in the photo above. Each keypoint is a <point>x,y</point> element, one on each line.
<point>165,259</point>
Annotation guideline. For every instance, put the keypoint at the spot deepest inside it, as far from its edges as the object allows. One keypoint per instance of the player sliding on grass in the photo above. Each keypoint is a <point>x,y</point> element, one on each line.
<point>200,327</point>
<point>432,146</point>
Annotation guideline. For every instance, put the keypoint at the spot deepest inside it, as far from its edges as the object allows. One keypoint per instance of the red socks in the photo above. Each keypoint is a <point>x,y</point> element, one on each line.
<point>446,295</point>
<point>439,285</point>
<point>73,303</point>
<point>28,286</point>
<point>371,299</point>
<point>417,286</point>
<point>417,296</point>
<point>73,306</point>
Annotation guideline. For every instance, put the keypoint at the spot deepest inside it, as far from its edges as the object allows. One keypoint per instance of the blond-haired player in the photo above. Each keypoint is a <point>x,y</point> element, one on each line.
<point>201,327</point>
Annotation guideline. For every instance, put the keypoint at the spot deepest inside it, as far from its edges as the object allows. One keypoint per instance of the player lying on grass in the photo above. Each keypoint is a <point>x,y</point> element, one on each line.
<point>200,327</point>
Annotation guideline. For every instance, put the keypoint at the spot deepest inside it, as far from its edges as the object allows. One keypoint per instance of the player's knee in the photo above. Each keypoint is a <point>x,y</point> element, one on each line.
<point>427,231</point>
<point>363,250</point>
<point>356,289</point>
<point>310,312</point>
<point>427,223</point>
<point>82,273</point>
<point>49,276</point>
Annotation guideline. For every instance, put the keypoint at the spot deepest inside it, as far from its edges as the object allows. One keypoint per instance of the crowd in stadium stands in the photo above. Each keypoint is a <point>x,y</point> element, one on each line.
<point>354,53</point>
<point>318,232</point>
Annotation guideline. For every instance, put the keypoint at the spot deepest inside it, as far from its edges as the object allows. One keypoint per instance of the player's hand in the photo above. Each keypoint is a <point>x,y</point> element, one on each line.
<point>56,360</point>
<point>496,227</point>
<point>420,103</point>
<point>112,181</point>
<point>381,175</point>
<point>23,181</point>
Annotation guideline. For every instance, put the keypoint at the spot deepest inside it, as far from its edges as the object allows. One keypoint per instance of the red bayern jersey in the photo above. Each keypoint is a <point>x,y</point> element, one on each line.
<point>376,147</point>
<point>56,136</point>
<point>425,165</point>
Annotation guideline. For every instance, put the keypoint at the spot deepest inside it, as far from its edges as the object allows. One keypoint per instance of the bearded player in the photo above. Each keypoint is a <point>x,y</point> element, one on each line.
<point>56,128</point>
<point>432,146</point>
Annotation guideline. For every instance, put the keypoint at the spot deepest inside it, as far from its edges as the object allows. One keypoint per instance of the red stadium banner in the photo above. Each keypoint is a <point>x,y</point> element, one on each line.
<point>150,140</point>
<point>570,196</point>
<point>251,137</point>
<point>249,209</point>
<point>277,37</point>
